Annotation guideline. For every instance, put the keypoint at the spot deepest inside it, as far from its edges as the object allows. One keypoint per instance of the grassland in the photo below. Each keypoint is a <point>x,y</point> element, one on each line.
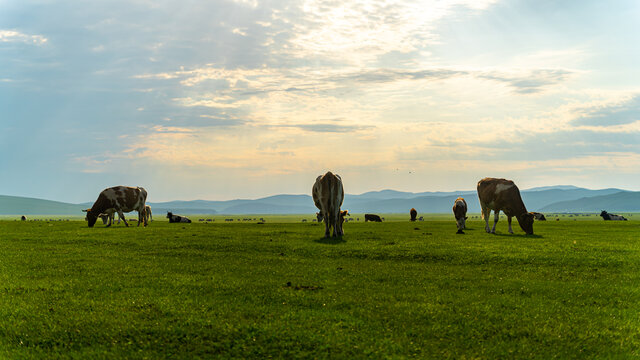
<point>384,290</point>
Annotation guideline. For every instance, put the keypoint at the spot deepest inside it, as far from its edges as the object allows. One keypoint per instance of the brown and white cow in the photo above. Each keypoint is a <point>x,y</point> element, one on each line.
<point>460,212</point>
<point>328,195</point>
<point>413,213</point>
<point>107,219</point>
<point>119,199</point>
<point>147,214</point>
<point>503,195</point>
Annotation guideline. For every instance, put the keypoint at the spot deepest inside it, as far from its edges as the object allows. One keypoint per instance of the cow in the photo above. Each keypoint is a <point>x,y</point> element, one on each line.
<point>177,218</point>
<point>503,195</point>
<point>319,217</point>
<point>23,218</point>
<point>147,213</point>
<point>413,213</point>
<point>328,194</point>
<point>460,213</point>
<point>119,199</point>
<point>107,219</point>
<point>606,216</point>
<point>372,217</point>
<point>538,216</point>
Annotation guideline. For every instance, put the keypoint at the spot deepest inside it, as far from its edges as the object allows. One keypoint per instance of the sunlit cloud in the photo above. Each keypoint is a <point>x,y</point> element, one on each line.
<point>356,32</point>
<point>16,36</point>
<point>615,115</point>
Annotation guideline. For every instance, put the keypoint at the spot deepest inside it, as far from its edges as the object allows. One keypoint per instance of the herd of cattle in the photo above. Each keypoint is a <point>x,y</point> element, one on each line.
<point>328,194</point>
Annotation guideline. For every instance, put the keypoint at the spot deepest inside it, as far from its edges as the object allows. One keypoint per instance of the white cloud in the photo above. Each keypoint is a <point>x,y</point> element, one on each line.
<point>16,36</point>
<point>356,32</point>
<point>238,31</point>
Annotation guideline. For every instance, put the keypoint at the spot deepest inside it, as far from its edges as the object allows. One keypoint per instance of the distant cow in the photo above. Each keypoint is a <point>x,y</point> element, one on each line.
<point>177,218</point>
<point>372,217</point>
<point>107,219</point>
<point>119,199</point>
<point>606,216</point>
<point>460,213</point>
<point>319,217</point>
<point>538,216</point>
<point>500,194</point>
<point>147,213</point>
<point>23,218</point>
<point>413,213</point>
<point>328,194</point>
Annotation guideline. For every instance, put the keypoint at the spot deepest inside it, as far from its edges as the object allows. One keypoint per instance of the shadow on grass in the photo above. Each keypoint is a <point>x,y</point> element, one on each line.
<point>330,240</point>
<point>534,236</point>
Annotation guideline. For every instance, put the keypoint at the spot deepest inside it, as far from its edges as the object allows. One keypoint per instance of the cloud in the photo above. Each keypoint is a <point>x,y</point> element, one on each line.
<point>326,127</point>
<point>534,81</point>
<point>16,36</point>
<point>611,115</point>
<point>357,32</point>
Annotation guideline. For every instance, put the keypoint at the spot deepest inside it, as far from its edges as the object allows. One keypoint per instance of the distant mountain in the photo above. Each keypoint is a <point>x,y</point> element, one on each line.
<point>16,205</point>
<point>561,198</point>
<point>619,201</point>
<point>554,187</point>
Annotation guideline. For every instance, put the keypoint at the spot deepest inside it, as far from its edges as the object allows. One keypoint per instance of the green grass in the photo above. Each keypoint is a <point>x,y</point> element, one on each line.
<point>385,290</point>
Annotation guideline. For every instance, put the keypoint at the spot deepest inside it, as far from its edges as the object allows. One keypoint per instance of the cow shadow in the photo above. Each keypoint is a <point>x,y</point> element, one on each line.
<point>525,236</point>
<point>330,240</point>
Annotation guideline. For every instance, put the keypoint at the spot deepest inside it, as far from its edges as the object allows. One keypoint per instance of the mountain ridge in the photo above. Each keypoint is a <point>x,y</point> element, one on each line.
<point>561,198</point>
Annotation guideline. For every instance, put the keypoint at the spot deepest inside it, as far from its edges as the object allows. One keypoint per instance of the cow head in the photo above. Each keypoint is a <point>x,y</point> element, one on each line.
<point>526,222</point>
<point>169,214</point>
<point>91,217</point>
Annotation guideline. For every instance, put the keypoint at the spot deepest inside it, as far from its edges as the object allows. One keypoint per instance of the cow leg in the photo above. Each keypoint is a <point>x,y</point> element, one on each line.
<point>509,221</point>
<point>495,220</point>
<point>140,217</point>
<point>326,226</point>
<point>121,215</point>
<point>336,224</point>
<point>486,213</point>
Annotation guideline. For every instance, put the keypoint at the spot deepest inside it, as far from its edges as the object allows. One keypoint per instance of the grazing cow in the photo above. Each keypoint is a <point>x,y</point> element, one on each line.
<point>177,218</point>
<point>460,212</point>
<point>413,214</point>
<point>606,216</point>
<point>500,194</point>
<point>538,216</point>
<point>328,194</point>
<point>372,217</point>
<point>119,199</point>
<point>319,217</point>
<point>23,218</point>
<point>147,213</point>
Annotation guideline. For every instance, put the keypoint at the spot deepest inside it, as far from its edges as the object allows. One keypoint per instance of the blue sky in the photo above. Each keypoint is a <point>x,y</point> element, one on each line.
<point>248,98</point>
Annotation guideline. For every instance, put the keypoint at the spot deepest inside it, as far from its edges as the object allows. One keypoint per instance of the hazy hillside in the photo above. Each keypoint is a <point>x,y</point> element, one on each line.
<point>620,201</point>
<point>563,198</point>
<point>15,205</point>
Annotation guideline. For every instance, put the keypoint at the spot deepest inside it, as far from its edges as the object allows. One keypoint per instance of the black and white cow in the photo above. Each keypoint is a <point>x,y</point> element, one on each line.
<point>120,199</point>
<point>372,217</point>
<point>606,216</point>
<point>177,218</point>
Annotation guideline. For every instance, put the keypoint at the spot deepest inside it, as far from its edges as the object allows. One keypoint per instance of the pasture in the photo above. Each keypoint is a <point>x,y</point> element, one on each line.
<point>385,290</point>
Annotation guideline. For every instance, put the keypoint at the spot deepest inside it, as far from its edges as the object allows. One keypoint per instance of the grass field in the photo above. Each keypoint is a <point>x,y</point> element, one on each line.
<point>385,290</point>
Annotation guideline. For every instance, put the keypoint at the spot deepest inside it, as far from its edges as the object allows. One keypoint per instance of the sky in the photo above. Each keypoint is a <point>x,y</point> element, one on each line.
<point>229,99</point>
